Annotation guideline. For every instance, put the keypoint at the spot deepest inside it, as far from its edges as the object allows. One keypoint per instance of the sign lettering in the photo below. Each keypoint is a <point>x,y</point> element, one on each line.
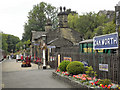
<point>109,41</point>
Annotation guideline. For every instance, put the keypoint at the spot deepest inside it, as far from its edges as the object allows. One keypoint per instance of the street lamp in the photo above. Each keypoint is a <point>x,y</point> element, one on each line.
<point>24,50</point>
<point>44,49</point>
<point>33,43</point>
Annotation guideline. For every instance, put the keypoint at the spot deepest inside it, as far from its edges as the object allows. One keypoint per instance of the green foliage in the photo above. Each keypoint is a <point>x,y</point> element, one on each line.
<point>12,41</point>
<point>75,67</point>
<point>104,82</point>
<point>19,46</point>
<point>37,19</point>
<point>89,71</point>
<point>4,42</point>
<point>90,24</point>
<point>98,30</point>
<point>72,20</point>
<point>63,65</point>
<point>22,45</point>
<point>109,28</point>
<point>9,42</point>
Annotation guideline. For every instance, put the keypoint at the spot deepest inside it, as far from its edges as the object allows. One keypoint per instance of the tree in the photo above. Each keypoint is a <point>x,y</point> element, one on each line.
<point>85,24</point>
<point>109,28</point>
<point>19,46</point>
<point>12,41</point>
<point>37,19</point>
<point>72,20</point>
<point>4,42</point>
<point>98,30</point>
<point>9,42</point>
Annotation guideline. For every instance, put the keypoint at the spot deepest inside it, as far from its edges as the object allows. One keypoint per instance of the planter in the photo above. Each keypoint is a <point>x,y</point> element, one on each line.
<point>74,83</point>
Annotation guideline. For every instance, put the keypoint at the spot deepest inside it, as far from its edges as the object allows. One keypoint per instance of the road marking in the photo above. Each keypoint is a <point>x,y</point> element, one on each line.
<point>2,85</point>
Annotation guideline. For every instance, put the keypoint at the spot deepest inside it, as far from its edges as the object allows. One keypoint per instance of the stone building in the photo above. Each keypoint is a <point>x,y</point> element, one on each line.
<point>61,40</point>
<point>108,13</point>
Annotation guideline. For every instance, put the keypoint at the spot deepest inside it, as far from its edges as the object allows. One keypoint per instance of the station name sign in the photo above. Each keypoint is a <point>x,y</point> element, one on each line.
<point>108,41</point>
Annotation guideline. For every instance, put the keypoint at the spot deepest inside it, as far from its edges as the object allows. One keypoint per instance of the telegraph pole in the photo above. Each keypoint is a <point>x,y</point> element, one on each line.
<point>117,13</point>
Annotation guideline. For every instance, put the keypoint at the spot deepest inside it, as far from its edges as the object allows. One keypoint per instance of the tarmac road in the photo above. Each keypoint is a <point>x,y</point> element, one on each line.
<point>13,76</point>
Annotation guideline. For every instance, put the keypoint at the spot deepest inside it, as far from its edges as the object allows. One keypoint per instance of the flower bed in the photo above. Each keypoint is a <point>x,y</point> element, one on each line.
<point>83,81</point>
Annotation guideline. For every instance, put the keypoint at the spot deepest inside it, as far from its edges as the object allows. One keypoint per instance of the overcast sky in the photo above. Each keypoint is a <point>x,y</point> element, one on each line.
<point>13,13</point>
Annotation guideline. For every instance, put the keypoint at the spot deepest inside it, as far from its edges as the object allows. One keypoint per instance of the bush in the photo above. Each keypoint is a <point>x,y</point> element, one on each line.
<point>63,65</point>
<point>89,71</point>
<point>75,67</point>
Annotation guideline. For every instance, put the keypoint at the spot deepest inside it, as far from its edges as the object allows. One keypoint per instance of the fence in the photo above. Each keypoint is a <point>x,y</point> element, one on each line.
<point>94,60</point>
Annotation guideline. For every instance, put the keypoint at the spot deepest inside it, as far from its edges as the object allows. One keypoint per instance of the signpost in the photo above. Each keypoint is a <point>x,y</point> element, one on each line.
<point>103,67</point>
<point>108,41</point>
<point>68,58</point>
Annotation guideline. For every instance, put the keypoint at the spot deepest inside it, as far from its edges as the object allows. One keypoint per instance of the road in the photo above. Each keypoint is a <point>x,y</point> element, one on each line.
<point>13,76</point>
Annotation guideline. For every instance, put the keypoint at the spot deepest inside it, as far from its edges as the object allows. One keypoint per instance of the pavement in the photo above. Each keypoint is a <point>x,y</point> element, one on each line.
<point>7,66</point>
<point>13,76</point>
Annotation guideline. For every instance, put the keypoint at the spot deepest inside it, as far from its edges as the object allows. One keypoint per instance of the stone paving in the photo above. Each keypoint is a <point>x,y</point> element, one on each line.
<point>7,66</point>
<point>13,76</point>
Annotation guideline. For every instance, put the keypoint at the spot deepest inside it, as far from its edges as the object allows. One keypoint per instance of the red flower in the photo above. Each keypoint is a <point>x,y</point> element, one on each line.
<point>66,73</point>
<point>95,82</point>
<point>92,83</point>
<point>73,75</point>
<point>58,70</point>
<point>102,86</point>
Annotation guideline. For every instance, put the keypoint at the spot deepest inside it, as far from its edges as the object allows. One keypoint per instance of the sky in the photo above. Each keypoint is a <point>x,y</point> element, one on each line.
<point>13,13</point>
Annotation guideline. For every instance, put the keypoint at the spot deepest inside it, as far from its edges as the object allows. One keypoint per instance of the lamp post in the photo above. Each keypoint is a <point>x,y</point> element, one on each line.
<point>44,49</point>
<point>24,51</point>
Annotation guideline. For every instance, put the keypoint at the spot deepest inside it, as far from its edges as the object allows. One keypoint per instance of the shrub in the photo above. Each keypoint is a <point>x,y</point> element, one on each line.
<point>89,71</point>
<point>75,67</point>
<point>63,65</point>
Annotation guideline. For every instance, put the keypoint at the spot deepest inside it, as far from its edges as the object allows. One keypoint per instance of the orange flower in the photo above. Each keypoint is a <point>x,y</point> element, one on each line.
<point>108,87</point>
<point>105,85</point>
<point>111,84</point>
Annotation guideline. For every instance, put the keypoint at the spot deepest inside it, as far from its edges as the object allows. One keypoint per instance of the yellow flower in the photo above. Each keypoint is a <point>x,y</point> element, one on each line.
<point>116,85</point>
<point>100,84</point>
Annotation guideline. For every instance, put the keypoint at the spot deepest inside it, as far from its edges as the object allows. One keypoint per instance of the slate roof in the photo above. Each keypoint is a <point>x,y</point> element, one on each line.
<point>37,34</point>
<point>66,33</point>
<point>70,34</point>
<point>60,42</point>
